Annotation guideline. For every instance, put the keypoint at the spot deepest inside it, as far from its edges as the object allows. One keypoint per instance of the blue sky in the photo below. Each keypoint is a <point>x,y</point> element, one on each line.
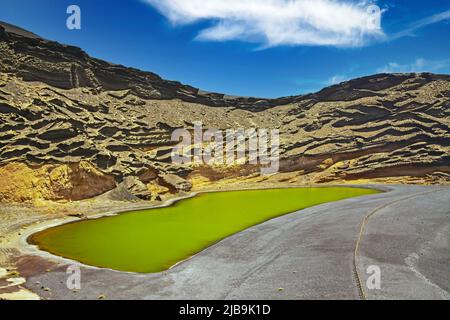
<point>265,48</point>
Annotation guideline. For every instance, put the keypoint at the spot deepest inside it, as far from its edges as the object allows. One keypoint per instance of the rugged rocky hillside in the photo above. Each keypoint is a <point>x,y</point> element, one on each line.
<point>73,127</point>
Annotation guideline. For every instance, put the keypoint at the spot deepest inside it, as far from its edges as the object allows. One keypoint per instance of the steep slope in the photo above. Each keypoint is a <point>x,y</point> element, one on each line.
<point>32,58</point>
<point>59,106</point>
<point>378,126</point>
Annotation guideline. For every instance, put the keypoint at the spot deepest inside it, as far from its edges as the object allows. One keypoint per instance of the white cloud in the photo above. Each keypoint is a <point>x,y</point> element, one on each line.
<point>419,65</point>
<point>336,79</point>
<point>341,23</point>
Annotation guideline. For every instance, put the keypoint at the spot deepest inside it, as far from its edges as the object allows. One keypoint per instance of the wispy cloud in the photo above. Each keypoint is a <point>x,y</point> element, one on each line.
<point>439,17</point>
<point>419,65</point>
<point>336,79</point>
<point>340,23</point>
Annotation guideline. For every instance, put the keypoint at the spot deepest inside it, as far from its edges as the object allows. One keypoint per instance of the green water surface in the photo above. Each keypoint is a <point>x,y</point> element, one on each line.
<point>153,240</point>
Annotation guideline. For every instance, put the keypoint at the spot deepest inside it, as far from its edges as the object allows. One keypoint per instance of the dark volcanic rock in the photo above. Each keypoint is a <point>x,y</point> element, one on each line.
<point>131,188</point>
<point>66,67</point>
<point>174,183</point>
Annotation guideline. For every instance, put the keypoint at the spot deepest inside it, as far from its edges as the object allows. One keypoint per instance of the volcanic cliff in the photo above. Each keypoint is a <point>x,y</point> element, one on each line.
<point>74,127</point>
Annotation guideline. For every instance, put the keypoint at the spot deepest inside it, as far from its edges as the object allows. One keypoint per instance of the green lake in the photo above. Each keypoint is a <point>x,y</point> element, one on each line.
<point>153,240</point>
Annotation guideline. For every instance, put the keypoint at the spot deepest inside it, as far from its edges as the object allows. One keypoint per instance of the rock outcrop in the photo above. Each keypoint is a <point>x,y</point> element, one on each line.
<point>137,188</point>
<point>174,183</point>
<point>73,181</point>
<point>131,188</point>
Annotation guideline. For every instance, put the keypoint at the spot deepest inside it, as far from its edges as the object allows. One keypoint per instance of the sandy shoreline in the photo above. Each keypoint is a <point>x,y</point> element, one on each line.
<point>301,252</point>
<point>14,238</point>
<point>19,240</point>
<point>28,248</point>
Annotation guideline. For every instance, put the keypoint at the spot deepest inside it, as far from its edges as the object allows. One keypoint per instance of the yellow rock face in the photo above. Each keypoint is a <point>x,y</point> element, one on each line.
<point>157,189</point>
<point>75,181</point>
